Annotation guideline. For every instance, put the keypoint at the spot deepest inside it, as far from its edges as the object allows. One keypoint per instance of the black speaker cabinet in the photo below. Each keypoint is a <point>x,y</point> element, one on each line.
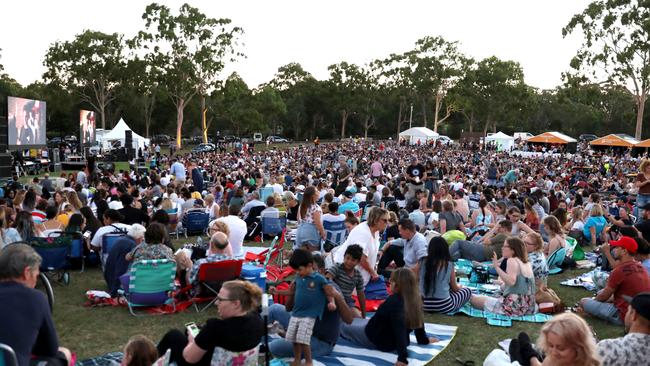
<point>128,139</point>
<point>4,133</point>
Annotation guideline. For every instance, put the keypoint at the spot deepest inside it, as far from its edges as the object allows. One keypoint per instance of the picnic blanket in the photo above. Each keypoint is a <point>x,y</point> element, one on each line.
<point>108,359</point>
<point>501,320</point>
<point>348,353</point>
<point>590,281</point>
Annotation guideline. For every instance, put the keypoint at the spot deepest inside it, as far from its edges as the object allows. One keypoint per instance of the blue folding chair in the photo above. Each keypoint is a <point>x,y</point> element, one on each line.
<point>108,240</point>
<point>555,260</point>
<point>55,254</point>
<point>77,251</point>
<point>265,192</point>
<point>7,356</point>
<point>335,232</point>
<point>195,222</point>
<point>273,226</point>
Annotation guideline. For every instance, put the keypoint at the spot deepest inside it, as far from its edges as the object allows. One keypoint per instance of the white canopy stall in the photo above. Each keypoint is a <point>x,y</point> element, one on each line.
<point>415,134</point>
<point>117,134</point>
<point>501,140</point>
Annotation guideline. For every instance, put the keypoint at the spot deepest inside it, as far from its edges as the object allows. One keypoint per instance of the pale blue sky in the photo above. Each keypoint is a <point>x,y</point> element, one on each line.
<point>317,33</point>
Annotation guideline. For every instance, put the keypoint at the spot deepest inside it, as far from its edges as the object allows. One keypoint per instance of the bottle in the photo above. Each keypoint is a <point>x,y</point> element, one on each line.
<point>199,242</point>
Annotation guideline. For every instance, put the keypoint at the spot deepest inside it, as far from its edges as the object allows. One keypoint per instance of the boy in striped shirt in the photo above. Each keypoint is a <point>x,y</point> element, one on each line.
<point>348,278</point>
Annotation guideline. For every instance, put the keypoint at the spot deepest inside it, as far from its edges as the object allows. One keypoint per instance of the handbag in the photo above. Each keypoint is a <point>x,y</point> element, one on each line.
<point>547,295</point>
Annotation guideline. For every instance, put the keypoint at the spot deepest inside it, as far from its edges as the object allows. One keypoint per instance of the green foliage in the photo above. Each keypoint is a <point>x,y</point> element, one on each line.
<point>90,65</point>
<point>616,47</point>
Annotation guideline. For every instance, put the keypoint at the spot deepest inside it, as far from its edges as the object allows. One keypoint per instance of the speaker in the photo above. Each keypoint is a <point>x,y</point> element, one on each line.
<point>4,134</point>
<point>572,147</point>
<point>128,139</point>
<point>6,164</point>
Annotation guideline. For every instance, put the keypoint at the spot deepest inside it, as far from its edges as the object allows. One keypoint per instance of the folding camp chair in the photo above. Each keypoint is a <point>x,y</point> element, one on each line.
<point>108,240</point>
<point>555,260</point>
<point>335,233</point>
<point>151,283</point>
<point>272,226</point>
<point>195,222</point>
<point>55,254</point>
<point>212,275</point>
<point>7,356</point>
<point>265,192</point>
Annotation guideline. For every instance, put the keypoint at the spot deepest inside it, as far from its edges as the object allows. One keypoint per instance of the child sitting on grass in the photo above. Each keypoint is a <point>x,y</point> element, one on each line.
<point>348,278</point>
<point>140,351</point>
<point>311,293</point>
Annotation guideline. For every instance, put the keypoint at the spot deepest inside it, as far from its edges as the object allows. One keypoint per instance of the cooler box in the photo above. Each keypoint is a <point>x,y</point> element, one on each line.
<point>254,274</point>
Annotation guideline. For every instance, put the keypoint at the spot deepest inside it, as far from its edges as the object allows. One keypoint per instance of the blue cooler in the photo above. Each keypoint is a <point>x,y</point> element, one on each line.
<point>254,274</point>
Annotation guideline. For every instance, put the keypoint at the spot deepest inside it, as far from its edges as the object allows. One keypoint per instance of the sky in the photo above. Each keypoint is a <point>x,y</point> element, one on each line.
<point>316,34</point>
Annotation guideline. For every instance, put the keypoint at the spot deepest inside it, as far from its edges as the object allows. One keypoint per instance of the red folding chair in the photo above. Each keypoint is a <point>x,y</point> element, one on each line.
<point>211,276</point>
<point>275,248</point>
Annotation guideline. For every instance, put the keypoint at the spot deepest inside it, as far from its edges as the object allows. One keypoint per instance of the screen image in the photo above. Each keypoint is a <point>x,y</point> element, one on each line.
<point>87,126</point>
<point>26,120</point>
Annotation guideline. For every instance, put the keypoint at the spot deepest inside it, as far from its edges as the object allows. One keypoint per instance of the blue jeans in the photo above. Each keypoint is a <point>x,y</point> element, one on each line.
<point>307,234</point>
<point>281,347</point>
<point>641,200</point>
<point>468,250</point>
<point>356,333</point>
<point>603,310</point>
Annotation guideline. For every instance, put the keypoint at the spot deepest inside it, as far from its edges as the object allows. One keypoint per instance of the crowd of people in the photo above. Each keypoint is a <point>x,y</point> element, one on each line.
<point>409,213</point>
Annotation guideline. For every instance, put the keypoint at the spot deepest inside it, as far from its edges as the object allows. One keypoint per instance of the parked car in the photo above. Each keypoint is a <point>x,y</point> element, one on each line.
<point>276,139</point>
<point>231,138</point>
<point>445,140</point>
<point>161,139</point>
<point>257,137</point>
<point>587,137</point>
<point>203,148</point>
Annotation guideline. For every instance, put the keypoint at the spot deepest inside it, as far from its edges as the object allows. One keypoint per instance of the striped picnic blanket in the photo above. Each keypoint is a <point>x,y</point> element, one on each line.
<point>501,320</point>
<point>348,353</point>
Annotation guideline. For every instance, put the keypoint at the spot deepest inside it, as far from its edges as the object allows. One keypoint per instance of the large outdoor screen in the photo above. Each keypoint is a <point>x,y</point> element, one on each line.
<point>87,126</point>
<point>26,120</point>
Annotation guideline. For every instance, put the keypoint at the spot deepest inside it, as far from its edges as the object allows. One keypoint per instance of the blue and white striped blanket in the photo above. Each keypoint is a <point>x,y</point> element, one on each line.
<point>347,353</point>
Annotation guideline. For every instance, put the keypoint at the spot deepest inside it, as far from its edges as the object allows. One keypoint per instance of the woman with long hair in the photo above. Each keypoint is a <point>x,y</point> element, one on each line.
<point>531,218</point>
<point>92,223</point>
<point>556,238</point>
<point>567,340</point>
<point>74,201</point>
<point>51,224</point>
<point>389,329</point>
<point>517,283</point>
<point>595,225</point>
<point>482,220</point>
<point>450,219</point>
<point>440,291</point>
<point>98,203</point>
<point>537,259</point>
<point>25,226</point>
<point>310,225</point>
<point>18,199</point>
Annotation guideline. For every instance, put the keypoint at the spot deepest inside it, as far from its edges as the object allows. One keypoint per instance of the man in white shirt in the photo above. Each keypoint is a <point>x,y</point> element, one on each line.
<point>237,228</point>
<point>253,202</point>
<point>112,224</point>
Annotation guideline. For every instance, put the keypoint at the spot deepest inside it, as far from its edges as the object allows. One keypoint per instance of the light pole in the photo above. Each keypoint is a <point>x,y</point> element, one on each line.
<point>411,116</point>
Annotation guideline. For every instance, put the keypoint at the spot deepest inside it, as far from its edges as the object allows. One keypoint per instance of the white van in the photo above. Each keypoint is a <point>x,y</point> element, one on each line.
<point>257,137</point>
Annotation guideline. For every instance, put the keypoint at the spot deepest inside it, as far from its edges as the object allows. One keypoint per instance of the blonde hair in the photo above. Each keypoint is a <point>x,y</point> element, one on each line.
<point>539,242</point>
<point>404,283</point>
<point>74,200</point>
<point>576,334</point>
<point>597,210</point>
<point>644,164</point>
<point>220,227</point>
<point>166,204</point>
<point>248,294</point>
<point>576,213</point>
<point>375,214</point>
<point>552,224</point>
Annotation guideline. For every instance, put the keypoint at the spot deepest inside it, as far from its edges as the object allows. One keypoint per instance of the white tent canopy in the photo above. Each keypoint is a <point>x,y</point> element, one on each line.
<point>117,134</point>
<point>501,140</point>
<point>415,134</point>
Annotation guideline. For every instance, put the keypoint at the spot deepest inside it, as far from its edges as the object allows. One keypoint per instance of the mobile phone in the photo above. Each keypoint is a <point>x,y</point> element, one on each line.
<point>86,234</point>
<point>192,329</point>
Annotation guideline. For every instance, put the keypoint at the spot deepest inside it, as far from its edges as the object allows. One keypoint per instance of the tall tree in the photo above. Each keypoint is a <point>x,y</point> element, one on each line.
<point>347,81</point>
<point>90,65</point>
<point>191,49</point>
<point>616,47</point>
<point>143,78</point>
<point>294,84</point>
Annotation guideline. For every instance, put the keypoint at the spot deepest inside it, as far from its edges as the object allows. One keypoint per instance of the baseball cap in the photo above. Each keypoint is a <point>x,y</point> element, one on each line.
<point>347,194</point>
<point>626,243</point>
<point>640,303</point>
<point>300,187</point>
<point>364,189</point>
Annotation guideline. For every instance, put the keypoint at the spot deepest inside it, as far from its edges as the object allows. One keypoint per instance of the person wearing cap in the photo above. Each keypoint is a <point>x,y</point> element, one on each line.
<point>628,278</point>
<point>347,204</point>
<point>634,347</point>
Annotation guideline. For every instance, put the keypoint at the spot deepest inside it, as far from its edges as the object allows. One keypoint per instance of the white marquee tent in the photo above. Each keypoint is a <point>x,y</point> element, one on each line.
<point>117,134</point>
<point>501,140</point>
<point>415,134</point>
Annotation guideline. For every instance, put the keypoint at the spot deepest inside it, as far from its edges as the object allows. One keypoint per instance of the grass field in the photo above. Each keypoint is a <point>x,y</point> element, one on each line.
<point>94,331</point>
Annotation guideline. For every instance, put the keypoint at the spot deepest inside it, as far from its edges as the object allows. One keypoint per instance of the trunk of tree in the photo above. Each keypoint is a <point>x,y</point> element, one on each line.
<point>471,122</point>
<point>435,114</point>
<point>180,107</point>
<point>424,111</point>
<point>640,107</point>
<point>149,103</point>
<point>204,122</point>
<point>296,126</point>
<point>399,119</point>
<point>344,121</point>
<point>487,125</point>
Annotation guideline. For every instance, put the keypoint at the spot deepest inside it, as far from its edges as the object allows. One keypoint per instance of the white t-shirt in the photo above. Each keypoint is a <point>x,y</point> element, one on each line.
<point>97,239</point>
<point>238,231</point>
<point>578,225</point>
<point>370,243</point>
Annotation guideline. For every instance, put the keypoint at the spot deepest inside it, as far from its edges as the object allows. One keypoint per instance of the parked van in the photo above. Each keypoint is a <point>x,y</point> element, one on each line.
<point>257,137</point>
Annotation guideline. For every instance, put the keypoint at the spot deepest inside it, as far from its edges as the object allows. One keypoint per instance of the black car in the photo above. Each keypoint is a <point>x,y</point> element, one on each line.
<point>161,139</point>
<point>587,137</point>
